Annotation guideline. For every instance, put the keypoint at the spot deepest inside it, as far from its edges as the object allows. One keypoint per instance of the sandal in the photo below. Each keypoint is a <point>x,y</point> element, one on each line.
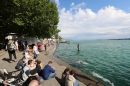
<point>10,61</point>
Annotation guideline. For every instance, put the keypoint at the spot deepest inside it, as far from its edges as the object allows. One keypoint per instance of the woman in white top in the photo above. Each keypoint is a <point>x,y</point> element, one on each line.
<point>70,80</point>
<point>29,56</point>
<point>16,44</point>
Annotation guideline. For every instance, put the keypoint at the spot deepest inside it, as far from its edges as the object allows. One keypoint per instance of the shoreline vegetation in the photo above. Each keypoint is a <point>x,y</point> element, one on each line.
<point>80,76</point>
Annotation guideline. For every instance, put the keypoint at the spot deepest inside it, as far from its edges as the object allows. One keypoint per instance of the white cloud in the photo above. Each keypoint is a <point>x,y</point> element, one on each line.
<point>75,7</point>
<point>80,23</point>
<point>57,2</point>
<point>72,4</point>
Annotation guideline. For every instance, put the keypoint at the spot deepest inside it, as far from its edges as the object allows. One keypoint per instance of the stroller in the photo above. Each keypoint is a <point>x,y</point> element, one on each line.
<point>11,78</point>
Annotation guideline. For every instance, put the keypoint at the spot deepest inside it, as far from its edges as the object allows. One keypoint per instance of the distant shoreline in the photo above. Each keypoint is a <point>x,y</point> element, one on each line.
<point>120,39</point>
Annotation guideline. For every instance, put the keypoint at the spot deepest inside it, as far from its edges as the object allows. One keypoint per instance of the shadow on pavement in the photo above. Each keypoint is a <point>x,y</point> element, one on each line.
<point>59,81</point>
<point>6,59</point>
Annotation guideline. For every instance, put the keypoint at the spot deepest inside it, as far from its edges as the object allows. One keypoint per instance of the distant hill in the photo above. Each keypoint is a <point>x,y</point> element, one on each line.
<point>121,39</point>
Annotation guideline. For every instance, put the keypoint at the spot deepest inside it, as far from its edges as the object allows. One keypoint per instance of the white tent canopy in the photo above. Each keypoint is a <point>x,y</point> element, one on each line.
<point>8,37</point>
<point>30,40</point>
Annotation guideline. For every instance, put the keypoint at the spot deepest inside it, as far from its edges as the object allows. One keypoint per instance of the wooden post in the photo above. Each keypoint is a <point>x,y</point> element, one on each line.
<point>78,47</point>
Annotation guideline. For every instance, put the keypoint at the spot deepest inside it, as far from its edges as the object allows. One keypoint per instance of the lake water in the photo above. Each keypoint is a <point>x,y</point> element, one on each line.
<point>108,61</point>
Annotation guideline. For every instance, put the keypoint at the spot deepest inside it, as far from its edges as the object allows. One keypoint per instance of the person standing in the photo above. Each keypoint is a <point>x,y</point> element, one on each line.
<point>11,50</point>
<point>45,47</point>
<point>26,43</point>
<point>24,46</point>
<point>17,46</point>
<point>20,45</point>
<point>6,43</point>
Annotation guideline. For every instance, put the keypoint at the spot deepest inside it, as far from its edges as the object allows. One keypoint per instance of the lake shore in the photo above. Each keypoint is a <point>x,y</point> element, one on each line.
<point>84,78</point>
<point>60,65</point>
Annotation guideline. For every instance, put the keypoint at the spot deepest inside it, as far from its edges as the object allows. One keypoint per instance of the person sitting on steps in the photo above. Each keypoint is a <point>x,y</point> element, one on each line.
<point>64,74</point>
<point>70,80</point>
<point>48,71</point>
<point>21,63</point>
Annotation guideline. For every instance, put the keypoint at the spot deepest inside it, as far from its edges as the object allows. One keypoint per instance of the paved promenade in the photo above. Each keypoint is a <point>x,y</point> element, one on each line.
<point>4,64</point>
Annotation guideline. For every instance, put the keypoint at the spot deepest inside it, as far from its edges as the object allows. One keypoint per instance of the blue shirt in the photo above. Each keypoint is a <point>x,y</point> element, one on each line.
<point>47,71</point>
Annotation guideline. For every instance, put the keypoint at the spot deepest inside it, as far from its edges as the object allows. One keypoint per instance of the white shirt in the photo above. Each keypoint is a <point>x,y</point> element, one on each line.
<point>24,76</point>
<point>27,56</point>
<point>70,80</point>
<point>16,43</point>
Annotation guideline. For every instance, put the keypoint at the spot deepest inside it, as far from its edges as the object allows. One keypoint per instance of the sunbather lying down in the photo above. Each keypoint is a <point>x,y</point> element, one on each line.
<point>10,78</point>
<point>5,75</point>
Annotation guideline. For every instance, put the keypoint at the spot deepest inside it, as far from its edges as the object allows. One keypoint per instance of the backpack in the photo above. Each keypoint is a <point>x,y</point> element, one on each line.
<point>12,47</point>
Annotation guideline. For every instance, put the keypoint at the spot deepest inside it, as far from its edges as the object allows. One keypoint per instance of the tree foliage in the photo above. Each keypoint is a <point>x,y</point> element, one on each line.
<point>29,18</point>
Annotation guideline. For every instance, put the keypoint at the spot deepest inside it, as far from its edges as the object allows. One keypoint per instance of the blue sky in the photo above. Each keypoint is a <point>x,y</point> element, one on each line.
<point>95,5</point>
<point>94,19</point>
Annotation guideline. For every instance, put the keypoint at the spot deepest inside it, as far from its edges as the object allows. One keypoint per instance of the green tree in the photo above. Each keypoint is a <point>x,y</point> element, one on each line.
<point>60,38</point>
<point>29,18</point>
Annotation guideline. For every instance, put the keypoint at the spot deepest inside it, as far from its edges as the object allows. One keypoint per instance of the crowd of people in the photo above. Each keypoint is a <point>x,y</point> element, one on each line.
<point>18,46</point>
<point>33,71</point>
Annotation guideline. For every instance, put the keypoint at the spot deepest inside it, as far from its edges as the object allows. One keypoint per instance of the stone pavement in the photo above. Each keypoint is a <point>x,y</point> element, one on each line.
<point>4,64</point>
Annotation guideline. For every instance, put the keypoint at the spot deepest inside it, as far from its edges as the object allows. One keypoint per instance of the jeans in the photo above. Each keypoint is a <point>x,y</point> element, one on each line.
<point>20,67</point>
<point>76,84</point>
<point>24,49</point>
<point>52,75</point>
<point>12,53</point>
<point>35,55</point>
